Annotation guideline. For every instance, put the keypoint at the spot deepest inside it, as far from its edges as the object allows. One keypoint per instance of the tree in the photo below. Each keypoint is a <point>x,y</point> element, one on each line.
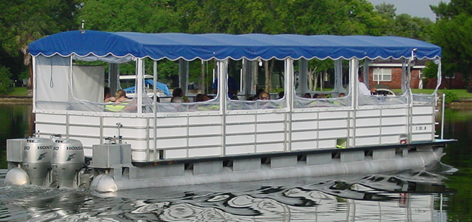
<point>25,21</point>
<point>453,33</point>
<point>129,15</point>
<point>412,27</point>
<point>386,10</point>
<point>4,79</point>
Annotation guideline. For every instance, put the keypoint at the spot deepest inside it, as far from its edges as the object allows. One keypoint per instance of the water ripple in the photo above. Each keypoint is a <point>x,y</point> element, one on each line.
<point>303,199</point>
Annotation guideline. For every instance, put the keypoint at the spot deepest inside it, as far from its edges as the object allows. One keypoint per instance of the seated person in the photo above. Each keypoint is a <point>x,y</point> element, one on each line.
<point>120,96</point>
<point>106,93</point>
<point>264,96</point>
<point>201,97</point>
<point>281,94</point>
<point>233,87</point>
<point>178,92</point>
<point>120,103</point>
<point>363,90</point>
<point>341,101</point>
<point>176,99</point>
<point>307,95</point>
<point>258,93</point>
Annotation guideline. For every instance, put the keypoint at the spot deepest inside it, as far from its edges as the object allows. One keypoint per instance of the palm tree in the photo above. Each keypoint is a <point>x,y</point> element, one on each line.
<point>26,32</point>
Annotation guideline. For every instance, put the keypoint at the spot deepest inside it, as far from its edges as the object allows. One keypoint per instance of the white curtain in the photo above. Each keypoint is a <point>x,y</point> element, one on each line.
<point>52,88</point>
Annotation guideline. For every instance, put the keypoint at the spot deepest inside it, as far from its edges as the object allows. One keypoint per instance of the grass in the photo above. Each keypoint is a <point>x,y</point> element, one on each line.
<point>17,91</point>
<point>460,93</point>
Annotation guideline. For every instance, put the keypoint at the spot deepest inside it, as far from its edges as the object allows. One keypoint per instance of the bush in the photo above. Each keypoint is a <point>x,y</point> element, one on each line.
<point>4,79</point>
<point>451,96</point>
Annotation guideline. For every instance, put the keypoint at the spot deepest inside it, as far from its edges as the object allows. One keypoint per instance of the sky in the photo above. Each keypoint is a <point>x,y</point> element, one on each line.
<point>418,8</point>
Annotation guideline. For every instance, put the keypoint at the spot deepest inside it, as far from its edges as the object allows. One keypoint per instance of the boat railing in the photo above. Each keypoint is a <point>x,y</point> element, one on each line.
<point>300,102</point>
<point>214,105</point>
<point>424,99</point>
<point>382,100</point>
<point>256,104</point>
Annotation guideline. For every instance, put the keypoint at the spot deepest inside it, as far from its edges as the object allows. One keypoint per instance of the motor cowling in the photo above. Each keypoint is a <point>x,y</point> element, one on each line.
<point>67,160</point>
<point>37,159</point>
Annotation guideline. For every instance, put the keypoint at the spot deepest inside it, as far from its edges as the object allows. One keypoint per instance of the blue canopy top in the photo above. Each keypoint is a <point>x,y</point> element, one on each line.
<point>175,46</point>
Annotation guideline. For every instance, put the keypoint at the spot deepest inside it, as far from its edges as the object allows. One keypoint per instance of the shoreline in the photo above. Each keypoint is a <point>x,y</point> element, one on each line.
<point>16,100</point>
<point>462,103</point>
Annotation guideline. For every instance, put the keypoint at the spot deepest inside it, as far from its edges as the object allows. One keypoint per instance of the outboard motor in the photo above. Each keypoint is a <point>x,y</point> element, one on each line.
<point>67,159</point>
<point>37,159</point>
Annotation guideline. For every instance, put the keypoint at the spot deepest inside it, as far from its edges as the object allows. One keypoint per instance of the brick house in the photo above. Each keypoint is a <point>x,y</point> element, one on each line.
<point>389,73</point>
<point>457,81</point>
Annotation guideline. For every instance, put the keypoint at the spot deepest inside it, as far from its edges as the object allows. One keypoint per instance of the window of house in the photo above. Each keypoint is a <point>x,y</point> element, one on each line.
<point>450,76</point>
<point>382,74</point>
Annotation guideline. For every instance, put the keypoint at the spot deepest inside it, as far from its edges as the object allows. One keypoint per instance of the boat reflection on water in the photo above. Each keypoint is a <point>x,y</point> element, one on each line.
<point>403,196</point>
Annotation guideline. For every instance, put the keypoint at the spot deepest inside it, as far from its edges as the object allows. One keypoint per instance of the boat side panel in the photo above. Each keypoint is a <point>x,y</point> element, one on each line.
<point>365,141</point>
<point>240,149</point>
<point>304,145</point>
<point>368,113</point>
<point>238,119</point>
<point>390,139</point>
<point>50,129</point>
<point>175,153</point>
<point>240,128</point>
<point>423,127</point>
<point>271,147</point>
<point>51,118</point>
<point>85,130</point>
<point>395,112</point>
<point>305,135</point>
<point>333,123</point>
<point>85,120</point>
<point>305,125</point>
<point>368,122</point>
<point>240,139</point>
<point>326,144</point>
<point>205,151</point>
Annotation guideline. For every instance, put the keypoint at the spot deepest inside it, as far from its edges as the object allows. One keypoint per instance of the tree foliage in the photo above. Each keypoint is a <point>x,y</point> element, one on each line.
<point>453,33</point>
<point>129,15</point>
<point>404,25</point>
<point>27,20</point>
<point>4,79</point>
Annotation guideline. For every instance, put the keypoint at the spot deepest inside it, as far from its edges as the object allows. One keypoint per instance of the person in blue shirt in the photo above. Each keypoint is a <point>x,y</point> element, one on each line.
<point>233,87</point>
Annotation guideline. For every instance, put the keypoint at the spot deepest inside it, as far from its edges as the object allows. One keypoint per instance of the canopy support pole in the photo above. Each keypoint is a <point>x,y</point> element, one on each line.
<point>439,75</point>
<point>247,77</point>
<point>403,85</point>
<point>222,95</point>
<point>410,96</point>
<point>113,80</point>
<point>289,97</point>
<point>183,76</point>
<point>338,76</point>
<point>302,76</point>
<point>139,86</point>
<point>354,83</point>
<point>365,72</point>
<point>154,108</point>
